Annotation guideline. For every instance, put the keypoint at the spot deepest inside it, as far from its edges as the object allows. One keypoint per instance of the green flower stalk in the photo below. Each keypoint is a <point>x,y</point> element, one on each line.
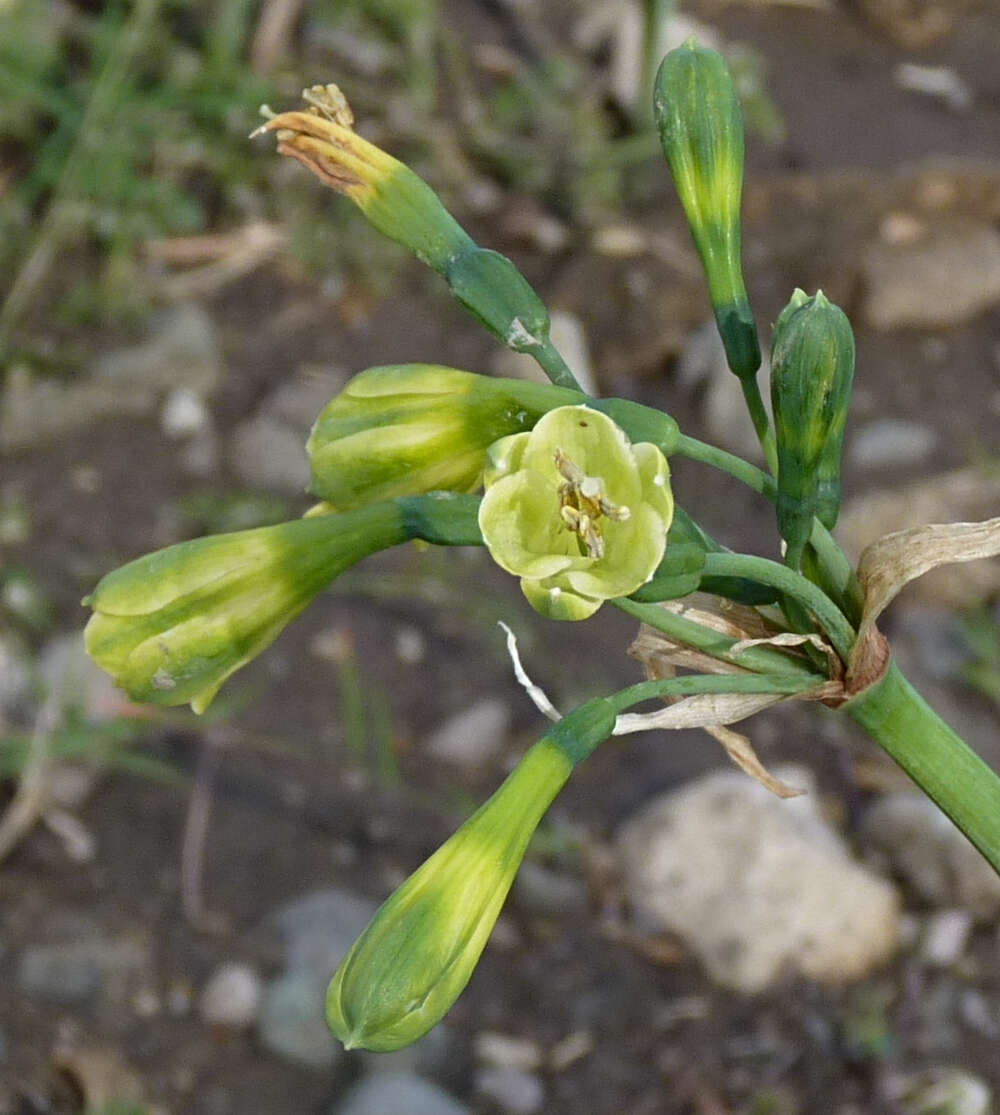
<point>812,371</point>
<point>170,627</point>
<point>701,129</point>
<point>576,511</point>
<point>418,953</point>
<point>411,428</point>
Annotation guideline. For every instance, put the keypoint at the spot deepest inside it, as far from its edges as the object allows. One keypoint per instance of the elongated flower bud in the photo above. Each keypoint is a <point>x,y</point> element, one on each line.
<point>394,199</point>
<point>170,627</point>
<point>812,370</point>
<point>401,205</point>
<point>410,428</point>
<point>419,951</point>
<point>701,129</point>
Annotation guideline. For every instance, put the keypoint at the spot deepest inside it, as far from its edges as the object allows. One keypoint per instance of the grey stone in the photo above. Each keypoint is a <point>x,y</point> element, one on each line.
<point>943,1091</point>
<point>318,928</point>
<point>181,351</point>
<point>891,443</point>
<point>702,364</point>
<point>292,1023</point>
<point>184,414</point>
<point>231,997</point>
<point>473,735</point>
<point>74,971</point>
<point>398,1093</point>
<point>945,937</point>
<point>748,881</point>
<point>433,1056</point>
<point>512,1090</point>
<point>964,495</point>
<point>298,401</point>
<point>938,277</point>
<point>936,861</point>
<point>548,893</point>
<point>935,639</point>
<point>266,453</point>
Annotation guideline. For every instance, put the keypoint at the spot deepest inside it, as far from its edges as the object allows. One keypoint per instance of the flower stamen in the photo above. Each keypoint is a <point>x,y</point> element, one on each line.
<point>582,503</point>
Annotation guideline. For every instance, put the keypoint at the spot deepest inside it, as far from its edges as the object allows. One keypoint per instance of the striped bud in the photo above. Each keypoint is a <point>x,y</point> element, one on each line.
<point>812,370</point>
<point>701,129</point>
<point>411,428</point>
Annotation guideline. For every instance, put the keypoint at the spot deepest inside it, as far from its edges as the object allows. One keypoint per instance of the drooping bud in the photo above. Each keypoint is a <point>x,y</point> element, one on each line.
<point>394,199</point>
<point>418,953</point>
<point>812,371</point>
<point>701,129</point>
<point>411,428</point>
<point>170,627</point>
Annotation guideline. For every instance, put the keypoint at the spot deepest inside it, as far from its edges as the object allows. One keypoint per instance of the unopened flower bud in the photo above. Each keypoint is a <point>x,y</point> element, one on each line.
<point>419,951</point>
<point>170,627</point>
<point>812,371</point>
<point>411,428</point>
<point>701,129</point>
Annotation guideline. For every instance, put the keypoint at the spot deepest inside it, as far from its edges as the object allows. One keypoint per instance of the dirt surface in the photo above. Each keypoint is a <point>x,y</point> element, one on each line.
<point>293,809</point>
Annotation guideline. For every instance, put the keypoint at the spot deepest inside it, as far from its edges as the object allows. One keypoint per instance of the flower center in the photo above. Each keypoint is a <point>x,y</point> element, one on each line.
<point>582,503</point>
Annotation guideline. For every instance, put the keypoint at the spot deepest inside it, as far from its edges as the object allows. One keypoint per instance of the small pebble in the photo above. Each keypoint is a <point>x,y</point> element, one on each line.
<point>512,1090</point>
<point>507,1051</point>
<point>291,1023</point>
<point>473,735</point>
<point>891,443</point>
<point>946,936</point>
<point>184,414</point>
<point>397,1093</point>
<point>231,997</point>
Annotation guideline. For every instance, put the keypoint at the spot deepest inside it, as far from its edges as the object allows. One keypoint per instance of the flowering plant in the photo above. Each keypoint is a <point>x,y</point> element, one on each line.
<point>577,505</point>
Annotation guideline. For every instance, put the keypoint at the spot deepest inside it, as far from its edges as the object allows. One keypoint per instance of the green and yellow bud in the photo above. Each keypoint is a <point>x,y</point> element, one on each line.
<point>701,129</point>
<point>576,511</point>
<point>411,428</point>
<point>395,200</point>
<point>812,371</point>
<point>170,627</point>
<point>418,953</point>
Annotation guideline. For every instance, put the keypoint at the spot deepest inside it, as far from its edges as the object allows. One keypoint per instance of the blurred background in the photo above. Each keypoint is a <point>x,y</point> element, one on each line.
<point>176,305</point>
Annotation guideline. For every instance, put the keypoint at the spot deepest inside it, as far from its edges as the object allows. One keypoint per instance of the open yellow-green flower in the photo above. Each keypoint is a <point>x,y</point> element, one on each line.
<point>576,511</point>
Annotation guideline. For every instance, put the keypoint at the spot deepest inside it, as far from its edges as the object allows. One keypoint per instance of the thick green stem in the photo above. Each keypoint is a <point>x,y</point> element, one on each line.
<point>938,760</point>
<point>768,572</point>
<point>713,643</point>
